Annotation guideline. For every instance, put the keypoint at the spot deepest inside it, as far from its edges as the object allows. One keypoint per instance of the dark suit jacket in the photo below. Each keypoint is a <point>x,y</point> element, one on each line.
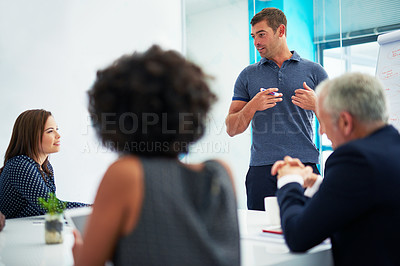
<point>357,205</point>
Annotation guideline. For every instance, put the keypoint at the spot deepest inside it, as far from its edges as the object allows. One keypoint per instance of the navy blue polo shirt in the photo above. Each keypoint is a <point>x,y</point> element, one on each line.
<point>284,129</point>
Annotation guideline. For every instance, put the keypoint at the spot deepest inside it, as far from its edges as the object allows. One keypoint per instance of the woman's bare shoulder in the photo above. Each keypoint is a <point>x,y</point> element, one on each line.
<point>125,167</point>
<point>124,174</point>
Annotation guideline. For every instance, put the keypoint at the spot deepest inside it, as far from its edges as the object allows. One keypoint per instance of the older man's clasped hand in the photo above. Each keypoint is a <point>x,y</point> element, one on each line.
<point>293,166</point>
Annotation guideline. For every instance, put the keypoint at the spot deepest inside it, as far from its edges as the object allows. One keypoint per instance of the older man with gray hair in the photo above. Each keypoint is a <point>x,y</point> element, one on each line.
<point>357,204</point>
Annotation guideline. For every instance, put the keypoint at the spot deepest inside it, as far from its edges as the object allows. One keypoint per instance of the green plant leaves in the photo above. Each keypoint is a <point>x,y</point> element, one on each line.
<point>51,204</point>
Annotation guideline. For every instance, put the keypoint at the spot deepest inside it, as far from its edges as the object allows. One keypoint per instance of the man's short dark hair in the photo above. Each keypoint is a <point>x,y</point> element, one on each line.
<point>274,17</point>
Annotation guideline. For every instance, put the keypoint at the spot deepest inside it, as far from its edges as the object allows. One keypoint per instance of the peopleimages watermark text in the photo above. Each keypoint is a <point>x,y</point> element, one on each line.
<point>157,146</point>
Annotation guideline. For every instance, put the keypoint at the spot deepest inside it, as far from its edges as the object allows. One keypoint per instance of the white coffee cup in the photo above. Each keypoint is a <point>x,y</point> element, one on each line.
<point>272,210</point>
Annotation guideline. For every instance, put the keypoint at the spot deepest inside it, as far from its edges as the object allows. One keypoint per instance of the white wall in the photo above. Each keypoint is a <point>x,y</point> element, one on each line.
<point>218,40</point>
<point>49,54</point>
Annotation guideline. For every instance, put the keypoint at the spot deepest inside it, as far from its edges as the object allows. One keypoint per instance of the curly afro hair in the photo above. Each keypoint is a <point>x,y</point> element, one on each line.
<point>151,104</point>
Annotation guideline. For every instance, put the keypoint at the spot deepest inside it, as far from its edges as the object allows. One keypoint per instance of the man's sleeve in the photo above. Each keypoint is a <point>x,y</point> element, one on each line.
<point>320,74</point>
<point>240,92</point>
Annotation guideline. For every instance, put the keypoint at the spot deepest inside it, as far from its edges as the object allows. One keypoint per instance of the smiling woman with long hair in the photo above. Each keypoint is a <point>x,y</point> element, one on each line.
<point>27,173</point>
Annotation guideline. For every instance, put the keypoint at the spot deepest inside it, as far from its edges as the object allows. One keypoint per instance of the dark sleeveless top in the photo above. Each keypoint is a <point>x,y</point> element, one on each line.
<point>187,218</point>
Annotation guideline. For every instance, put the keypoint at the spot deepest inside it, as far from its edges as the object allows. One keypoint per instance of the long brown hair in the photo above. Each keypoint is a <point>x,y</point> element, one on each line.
<point>27,136</point>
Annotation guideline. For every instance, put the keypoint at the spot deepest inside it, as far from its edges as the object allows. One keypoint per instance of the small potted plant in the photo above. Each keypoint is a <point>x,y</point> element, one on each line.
<point>53,218</point>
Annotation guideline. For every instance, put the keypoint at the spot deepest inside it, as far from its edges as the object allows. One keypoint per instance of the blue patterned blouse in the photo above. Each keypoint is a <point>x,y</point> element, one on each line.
<point>21,184</point>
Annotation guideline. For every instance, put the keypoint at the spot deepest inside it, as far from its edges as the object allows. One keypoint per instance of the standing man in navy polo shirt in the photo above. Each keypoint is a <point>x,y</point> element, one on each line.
<point>277,96</point>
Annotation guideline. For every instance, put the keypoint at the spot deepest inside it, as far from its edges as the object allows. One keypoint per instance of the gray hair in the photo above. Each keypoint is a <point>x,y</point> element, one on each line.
<point>359,94</point>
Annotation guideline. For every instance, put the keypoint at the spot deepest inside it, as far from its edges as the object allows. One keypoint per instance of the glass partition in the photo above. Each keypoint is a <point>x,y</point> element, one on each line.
<point>217,39</point>
<point>345,33</point>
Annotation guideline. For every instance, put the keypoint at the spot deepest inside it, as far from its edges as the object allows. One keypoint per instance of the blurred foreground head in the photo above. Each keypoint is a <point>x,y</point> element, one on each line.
<point>151,104</point>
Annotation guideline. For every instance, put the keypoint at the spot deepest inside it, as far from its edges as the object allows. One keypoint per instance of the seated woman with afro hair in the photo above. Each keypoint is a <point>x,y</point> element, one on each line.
<point>151,208</point>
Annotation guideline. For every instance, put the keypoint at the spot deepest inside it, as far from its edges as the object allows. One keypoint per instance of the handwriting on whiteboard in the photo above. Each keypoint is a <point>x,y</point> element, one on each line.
<point>395,53</point>
<point>390,72</point>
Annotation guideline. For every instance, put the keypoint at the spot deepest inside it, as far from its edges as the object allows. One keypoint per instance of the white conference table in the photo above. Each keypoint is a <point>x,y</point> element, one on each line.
<point>258,248</point>
<point>22,244</point>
